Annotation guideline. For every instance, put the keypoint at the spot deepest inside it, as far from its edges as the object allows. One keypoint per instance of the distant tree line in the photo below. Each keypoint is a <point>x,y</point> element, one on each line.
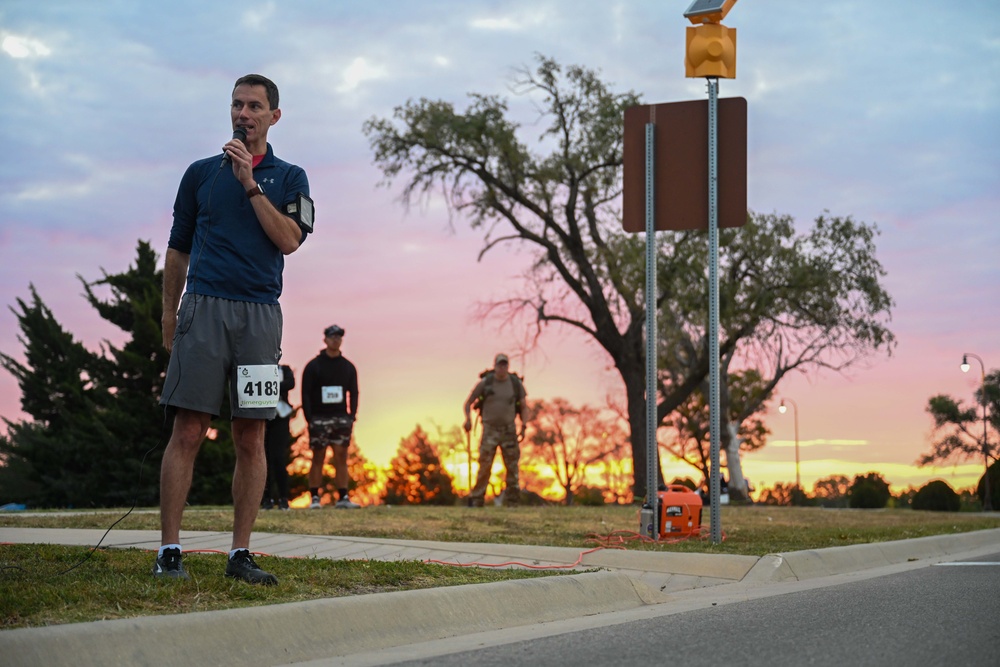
<point>418,475</point>
<point>871,491</point>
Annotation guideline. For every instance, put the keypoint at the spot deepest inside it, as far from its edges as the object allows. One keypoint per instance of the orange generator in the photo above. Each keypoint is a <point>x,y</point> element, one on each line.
<point>680,512</point>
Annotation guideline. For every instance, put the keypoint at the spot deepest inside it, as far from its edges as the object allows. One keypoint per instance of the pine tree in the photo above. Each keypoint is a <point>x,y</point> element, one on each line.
<point>61,388</point>
<point>416,475</point>
<point>97,432</point>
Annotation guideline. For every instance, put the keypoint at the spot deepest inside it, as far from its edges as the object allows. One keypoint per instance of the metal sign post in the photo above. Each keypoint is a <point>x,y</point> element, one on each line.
<point>711,53</point>
<point>713,307</point>
<point>651,524</point>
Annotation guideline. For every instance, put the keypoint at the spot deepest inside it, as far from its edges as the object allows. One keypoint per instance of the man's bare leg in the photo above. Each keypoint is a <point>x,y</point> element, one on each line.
<point>177,469</point>
<point>248,477</point>
<point>340,477</point>
<point>316,468</point>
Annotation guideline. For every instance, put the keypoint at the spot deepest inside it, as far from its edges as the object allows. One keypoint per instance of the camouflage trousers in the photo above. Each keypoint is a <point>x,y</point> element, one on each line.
<point>327,431</point>
<point>504,437</point>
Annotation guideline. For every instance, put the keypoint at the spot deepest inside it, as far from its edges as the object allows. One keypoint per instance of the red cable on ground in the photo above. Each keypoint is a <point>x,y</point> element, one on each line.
<point>579,560</point>
<point>621,536</point>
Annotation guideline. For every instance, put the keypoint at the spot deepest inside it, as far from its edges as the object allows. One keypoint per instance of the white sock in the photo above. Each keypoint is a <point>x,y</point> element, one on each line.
<point>233,552</point>
<point>169,546</point>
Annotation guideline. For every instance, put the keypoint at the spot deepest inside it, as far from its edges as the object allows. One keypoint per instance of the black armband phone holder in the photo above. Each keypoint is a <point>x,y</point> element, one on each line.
<point>301,211</point>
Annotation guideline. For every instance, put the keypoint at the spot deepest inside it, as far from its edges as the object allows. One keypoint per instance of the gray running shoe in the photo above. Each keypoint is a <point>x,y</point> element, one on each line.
<point>346,504</point>
<point>315,503</point>
<point>242,566</point>
<point>169,565</point>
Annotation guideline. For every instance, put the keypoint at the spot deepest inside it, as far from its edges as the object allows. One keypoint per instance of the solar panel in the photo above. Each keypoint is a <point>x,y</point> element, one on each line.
<point>699,7</point>
<point>708,11</point>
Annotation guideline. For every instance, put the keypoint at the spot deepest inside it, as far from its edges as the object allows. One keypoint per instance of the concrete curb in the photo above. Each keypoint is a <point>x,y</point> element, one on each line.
<point>802,565</point>
<point>281,634</point>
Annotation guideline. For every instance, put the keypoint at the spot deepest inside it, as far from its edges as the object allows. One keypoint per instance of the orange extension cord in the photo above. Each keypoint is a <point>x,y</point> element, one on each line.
<point>614,540</point>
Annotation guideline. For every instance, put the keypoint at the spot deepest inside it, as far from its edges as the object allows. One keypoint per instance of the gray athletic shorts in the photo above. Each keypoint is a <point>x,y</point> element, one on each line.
<point>219,342</point>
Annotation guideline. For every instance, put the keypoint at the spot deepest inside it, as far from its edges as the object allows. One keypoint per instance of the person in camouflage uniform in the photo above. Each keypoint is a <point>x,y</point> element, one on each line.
<point>500,397</point>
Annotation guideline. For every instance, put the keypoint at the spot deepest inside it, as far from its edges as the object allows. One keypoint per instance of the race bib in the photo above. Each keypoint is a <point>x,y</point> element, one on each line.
<point>258,386</point>
<point>333,394</point>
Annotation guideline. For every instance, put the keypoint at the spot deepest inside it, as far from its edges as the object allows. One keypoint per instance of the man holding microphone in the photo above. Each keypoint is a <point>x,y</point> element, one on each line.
<point>236,216</point>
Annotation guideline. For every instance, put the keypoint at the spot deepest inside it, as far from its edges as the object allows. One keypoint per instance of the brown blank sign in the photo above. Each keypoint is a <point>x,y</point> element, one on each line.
<point>680,166</point>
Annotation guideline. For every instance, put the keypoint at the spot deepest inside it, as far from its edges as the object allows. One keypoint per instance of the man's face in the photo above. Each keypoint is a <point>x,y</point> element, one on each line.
<point>500,369</point>
<point>251,111</point>
<point>333,343</point>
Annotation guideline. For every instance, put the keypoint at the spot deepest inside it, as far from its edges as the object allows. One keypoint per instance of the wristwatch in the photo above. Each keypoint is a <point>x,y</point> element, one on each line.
<point>253,192</point>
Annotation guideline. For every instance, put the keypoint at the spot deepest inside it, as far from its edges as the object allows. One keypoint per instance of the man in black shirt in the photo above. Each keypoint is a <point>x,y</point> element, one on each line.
<point>330,405</point>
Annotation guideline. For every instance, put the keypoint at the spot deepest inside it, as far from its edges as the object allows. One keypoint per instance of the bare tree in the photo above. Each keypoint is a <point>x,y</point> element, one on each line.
<point>779,494</point>
<point>832,491</point>
<point>686,430</point>
<point>569,440</point>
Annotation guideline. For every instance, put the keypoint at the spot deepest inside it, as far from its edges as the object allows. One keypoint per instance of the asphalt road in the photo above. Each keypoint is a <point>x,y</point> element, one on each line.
<point>944,614</point>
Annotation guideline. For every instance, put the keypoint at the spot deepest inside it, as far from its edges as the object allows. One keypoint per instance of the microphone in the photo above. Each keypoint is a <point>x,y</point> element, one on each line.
<point>238,133</point>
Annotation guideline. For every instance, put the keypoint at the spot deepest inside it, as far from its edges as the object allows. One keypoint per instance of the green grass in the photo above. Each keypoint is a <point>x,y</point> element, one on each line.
<point>116,583</point>
<point>751,530</point>
<point>36,590</point>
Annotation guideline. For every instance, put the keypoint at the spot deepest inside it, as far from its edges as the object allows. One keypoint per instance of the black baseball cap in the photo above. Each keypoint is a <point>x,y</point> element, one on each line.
<point>333,330</point>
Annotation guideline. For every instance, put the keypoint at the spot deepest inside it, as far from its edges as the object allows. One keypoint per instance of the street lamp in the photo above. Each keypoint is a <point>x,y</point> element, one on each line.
<point>987,501</point>
<point>795,411</point>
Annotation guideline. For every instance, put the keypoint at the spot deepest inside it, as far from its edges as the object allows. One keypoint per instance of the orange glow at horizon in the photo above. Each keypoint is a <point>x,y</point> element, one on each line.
<point>762,469</point>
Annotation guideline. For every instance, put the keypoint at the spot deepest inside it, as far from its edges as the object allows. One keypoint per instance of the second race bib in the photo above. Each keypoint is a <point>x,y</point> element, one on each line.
<point>333,394</point>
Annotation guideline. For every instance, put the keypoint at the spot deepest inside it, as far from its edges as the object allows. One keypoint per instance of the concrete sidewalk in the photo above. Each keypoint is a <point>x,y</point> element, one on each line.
<point>283,634</point>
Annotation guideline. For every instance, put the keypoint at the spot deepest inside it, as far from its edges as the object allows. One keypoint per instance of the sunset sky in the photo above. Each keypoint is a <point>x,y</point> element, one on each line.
<point>888,112</point>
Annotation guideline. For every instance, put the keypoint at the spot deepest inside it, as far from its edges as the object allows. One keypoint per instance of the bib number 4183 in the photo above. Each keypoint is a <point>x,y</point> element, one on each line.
<point>258,386</point>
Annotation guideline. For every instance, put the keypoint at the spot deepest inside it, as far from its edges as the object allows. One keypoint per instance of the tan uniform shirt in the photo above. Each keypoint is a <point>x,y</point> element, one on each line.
<point>498,408</point>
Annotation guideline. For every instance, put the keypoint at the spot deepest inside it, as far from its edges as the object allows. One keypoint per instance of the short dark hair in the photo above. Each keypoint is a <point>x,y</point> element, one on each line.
<point>259,80</point>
